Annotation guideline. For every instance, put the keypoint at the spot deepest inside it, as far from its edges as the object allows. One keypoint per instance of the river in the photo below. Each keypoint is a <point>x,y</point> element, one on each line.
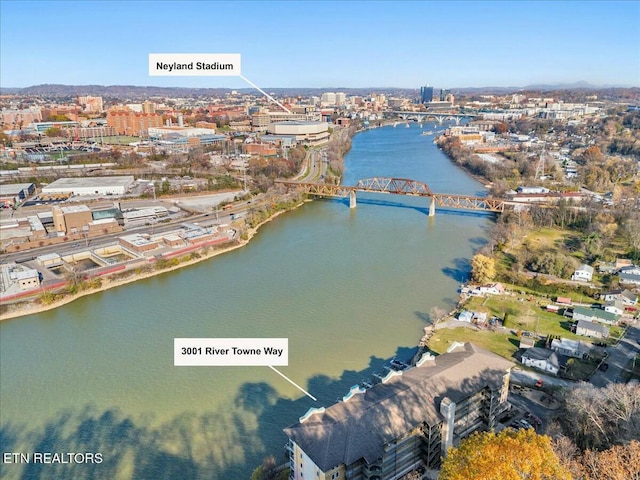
<point>349,289</point>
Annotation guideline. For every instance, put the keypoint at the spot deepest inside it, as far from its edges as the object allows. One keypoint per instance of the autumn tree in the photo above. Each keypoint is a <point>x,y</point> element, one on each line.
<point>483,268</point>
<point>592,154</point>
<point>620,462</point>
<point>269,471</point>
<point>508,455</point>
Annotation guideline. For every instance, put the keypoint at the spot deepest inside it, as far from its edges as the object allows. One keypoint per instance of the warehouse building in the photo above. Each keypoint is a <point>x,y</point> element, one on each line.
<point>91,185</point>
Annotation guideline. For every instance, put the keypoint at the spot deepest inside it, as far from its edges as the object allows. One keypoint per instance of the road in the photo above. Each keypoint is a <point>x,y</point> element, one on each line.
<point>529,379</point>
<point>314,166</point>
<point>619,357</point>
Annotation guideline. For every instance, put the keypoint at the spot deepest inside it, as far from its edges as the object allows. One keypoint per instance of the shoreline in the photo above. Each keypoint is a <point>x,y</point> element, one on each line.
<point>31,307</point>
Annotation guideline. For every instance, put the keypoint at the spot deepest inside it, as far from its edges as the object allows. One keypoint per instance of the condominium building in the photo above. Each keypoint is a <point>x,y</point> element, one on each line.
<point>13,117</point>
<point>128,122</point>
<point>406,422</point>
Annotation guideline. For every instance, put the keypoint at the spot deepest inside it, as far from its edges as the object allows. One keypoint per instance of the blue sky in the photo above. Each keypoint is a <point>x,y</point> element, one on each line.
<point>324,44</point>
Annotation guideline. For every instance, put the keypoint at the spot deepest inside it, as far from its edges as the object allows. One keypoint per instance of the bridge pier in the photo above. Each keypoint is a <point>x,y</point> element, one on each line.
<point>432,207</point>
<point>352,199</point>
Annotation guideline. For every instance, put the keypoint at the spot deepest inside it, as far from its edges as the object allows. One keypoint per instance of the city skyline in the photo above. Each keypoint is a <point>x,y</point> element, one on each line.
<point>330,44</point>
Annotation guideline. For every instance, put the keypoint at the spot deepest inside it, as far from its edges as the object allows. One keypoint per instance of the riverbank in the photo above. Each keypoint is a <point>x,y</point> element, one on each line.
<point>35,306</point>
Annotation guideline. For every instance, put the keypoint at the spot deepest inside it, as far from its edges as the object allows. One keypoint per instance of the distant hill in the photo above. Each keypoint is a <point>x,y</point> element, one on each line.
<point>134,92</point>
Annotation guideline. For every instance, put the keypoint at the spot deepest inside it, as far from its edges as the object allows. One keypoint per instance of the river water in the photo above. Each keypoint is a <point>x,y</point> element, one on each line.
<point>349,288</point>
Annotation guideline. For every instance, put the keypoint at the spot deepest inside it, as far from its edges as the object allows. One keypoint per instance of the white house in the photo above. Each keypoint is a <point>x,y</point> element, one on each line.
<point>630,275</point>
<point>492,289</point>
<point>584,273</point>
<point>614,306</point>
<point>591,329</point>
<point>627,297</point>
<point>542,359</point>
<point>570,348</point>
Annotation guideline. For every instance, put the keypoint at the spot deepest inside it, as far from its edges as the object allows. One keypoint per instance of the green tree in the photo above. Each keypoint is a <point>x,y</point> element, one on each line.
<point>508,455</point>
<point>483,268</point>
<point>53,132</point>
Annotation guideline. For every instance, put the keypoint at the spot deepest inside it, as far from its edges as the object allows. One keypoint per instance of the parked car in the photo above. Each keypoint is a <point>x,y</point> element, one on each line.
<point>604,366</point>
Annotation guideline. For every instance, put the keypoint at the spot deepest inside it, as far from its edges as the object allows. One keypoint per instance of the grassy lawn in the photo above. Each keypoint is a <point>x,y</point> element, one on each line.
<point>581,369</point>
<point>524,315</point>
<point>503,344</point>
<point>118,140</point>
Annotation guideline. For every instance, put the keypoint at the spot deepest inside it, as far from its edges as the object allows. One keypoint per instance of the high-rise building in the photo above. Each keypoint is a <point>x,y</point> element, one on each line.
<point>426,94</point>
<point>443,94</point>
<point>149,107</point>
<point>341,98</point>
<point>407,421</point>
<point>90,104</point>
<point>328,98</point>
<point>128,122</point>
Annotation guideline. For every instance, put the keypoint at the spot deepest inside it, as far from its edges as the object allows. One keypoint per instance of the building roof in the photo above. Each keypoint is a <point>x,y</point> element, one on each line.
<point>592,326</point>
<point>13,189</point>
<point>26,274</point>
<point>538,353</point>
<point>570,345</point>
<point>84,182</point>
<point>75,209</point>
<point>361,426</point>
<point>596,313</point>
<point>585,268</point>
<point>630,277</point>
<point>614,303</point>
<point>300,122</point>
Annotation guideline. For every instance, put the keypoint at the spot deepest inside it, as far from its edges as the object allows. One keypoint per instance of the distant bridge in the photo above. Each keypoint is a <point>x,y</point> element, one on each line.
<point>402,186</point>
<point>440,117</point>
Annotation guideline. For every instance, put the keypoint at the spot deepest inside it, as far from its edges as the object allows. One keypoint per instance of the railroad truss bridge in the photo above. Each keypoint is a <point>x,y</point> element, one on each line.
<point>401,186</point>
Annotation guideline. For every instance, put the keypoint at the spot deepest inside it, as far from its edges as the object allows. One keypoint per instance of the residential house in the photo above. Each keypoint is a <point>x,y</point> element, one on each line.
<point>570,348</point>
<point>584,273</point>
<point>591,329</point>
<point>627,297</point>
<point>595,315</point>
<point>564,301</point>
<point>630,275</point>
<point>492,289</point>
<point>614,306</point>
<point>612,267</point>
<point>542,359</point>
<point>405,423</point>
